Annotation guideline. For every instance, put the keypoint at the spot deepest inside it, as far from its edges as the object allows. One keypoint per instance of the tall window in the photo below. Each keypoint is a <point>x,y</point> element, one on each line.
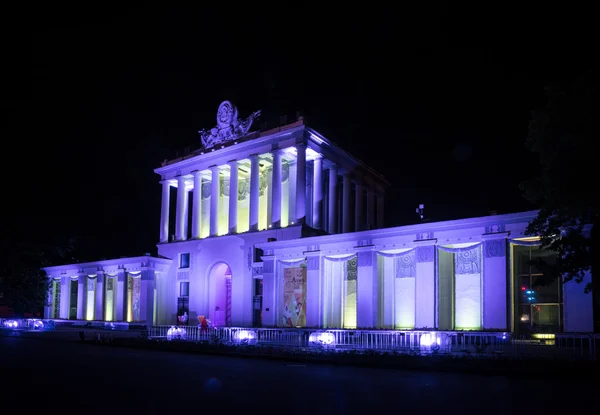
<point>184,260</point>
<point>183,301</point>
<point>537,297</point>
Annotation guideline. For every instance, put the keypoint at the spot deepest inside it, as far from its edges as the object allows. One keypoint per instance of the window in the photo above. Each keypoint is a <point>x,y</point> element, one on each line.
<point>184,260</point>
<point>184,289</point>
<point>537,297</point>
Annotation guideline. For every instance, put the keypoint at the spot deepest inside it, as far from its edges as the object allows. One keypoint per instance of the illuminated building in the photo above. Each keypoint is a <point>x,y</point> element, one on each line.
<point>301,244</point>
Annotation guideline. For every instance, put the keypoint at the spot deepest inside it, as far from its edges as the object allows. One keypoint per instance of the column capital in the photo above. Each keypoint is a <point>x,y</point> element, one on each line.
<point>214,167</point>
<point>196,172</point>
<point>232,161</point>
<point>253,156</point>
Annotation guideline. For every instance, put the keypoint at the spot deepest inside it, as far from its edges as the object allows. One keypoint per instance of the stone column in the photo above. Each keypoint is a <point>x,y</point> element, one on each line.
<point>300,216</point>
<point>425,284</point>
<point>215,194</point>
<point>346,200</point>
<point>197,205</point>
<point>314,294</point>
<point>367,289</point>
<point>380,211</point>
<point>254,191</point>
<point>164,212</point>
<point>317,223</point>
<point>99,306</point>
<point>276,194</point>
<point>370,208</point>
<point>182,210</point>
<point>359,208</point>
<point>494,282</point>
<point>292,193</point>
<point>81,296</point>
<point>269,311</point>
<point>233,196</point>
<point>121,296</point>
<point>65,296</point>
<point>332,221</point>
<point>147,297</point>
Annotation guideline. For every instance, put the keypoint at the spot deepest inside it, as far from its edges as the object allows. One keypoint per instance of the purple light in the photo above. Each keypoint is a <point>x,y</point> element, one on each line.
<point>321,339</point>
<point>11,324</point>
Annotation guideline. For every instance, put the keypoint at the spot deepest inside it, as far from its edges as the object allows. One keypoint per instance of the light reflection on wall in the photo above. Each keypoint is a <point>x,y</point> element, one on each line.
<point>91,298</point>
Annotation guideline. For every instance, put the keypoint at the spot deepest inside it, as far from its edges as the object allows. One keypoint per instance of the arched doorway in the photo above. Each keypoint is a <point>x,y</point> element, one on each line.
<point>219,292</point>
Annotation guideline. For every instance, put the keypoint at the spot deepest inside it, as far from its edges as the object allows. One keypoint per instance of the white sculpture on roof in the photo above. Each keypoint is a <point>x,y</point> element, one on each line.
<point>228,127</point>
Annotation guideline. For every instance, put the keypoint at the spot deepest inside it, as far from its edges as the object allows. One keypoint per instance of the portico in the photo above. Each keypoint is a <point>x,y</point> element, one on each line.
<point>287,176</point>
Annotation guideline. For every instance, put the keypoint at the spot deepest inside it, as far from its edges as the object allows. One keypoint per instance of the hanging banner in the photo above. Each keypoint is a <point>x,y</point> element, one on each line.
<point>294,297</point>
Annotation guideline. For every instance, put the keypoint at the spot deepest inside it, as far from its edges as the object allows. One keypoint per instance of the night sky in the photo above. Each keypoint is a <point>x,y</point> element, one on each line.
<point>97,101</point>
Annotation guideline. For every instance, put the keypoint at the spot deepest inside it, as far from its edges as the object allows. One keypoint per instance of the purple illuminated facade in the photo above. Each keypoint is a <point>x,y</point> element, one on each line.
<point>284,229</point>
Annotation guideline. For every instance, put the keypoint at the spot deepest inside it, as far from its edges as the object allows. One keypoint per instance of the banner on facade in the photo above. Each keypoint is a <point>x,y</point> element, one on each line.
<point>294,297</point>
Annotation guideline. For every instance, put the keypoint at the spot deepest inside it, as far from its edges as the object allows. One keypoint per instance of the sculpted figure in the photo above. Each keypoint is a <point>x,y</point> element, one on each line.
<point>228,127</point>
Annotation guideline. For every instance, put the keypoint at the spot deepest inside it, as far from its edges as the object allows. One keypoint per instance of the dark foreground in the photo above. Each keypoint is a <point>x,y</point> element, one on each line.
<point>75,378</point>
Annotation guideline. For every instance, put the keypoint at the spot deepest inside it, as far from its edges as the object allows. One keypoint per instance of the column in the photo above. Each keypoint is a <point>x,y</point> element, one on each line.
<point>276,194</point>
<point>99,312</point>
<point>317,193</point>
<point>333,175</point>
<point>346,197</point>
<point>370,208</point>
<point>300,216</point>
<point>425,284</point>
<point>147,297</point>
<point>269,315</point>
<point>359,208</point>
<point>314,294</point>
<point>215,187</point>
<point>380,211</point>
<point>197,205</point>
<point>164,212</point>
<point>233,196</point>
<point>121,296</point>
<point>182,210</point>
<point>81,296</point>
<point>254,191</point>
<point>494,282</point>
<point>367,289</point>
<point>292,193</point>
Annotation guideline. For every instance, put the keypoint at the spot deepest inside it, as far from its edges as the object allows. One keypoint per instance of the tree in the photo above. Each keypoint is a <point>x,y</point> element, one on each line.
<point>23,283</point>
<point>563,134</point>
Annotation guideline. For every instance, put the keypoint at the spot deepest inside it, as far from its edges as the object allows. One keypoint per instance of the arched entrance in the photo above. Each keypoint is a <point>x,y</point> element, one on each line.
<point>219,295</point>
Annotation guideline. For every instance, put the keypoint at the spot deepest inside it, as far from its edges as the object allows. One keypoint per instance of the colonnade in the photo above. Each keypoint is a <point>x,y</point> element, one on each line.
<point>277,189</point>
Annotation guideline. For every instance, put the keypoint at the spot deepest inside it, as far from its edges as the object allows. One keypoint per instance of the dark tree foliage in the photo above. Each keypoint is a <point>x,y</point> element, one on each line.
<point>563,134</point>
<point>23,283</point>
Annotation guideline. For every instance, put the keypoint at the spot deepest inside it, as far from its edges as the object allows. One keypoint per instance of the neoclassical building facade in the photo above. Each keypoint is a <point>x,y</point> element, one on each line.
<point>282,228</point>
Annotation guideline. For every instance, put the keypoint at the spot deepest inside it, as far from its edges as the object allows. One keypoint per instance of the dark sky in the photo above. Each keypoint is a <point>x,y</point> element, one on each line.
<point>99,97</point>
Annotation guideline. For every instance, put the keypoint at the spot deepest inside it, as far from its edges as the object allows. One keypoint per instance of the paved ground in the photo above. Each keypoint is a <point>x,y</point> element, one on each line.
<point>73,378</point>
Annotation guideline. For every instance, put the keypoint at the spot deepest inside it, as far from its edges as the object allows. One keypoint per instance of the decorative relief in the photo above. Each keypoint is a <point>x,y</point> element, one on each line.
<point>499,228</point>
<point>468,262</point>
<point>90,284</point>
<point>263,181</point>
<point>406,265</point>
<point>285,171</point>
<point>206,190</point>
<point>228,127</point>
<point>312,262</point>
<point>257,271</point>
<point>268,252</point>
<point>312,248</point>
<point>243,188</point>
<point>365,259</point>
<point>183,275</point>
<point>495,248</point>
<point>352,268</point>
<point>365,242</point>
<point>250,258</point>
<point>224,181</point>
<point>424,236</point>
<point>425,253</point>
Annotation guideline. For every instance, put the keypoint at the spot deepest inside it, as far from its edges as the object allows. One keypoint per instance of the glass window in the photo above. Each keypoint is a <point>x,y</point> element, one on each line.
<point>537,292</point>
<point>184,260</point>
<point>184,289</point>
